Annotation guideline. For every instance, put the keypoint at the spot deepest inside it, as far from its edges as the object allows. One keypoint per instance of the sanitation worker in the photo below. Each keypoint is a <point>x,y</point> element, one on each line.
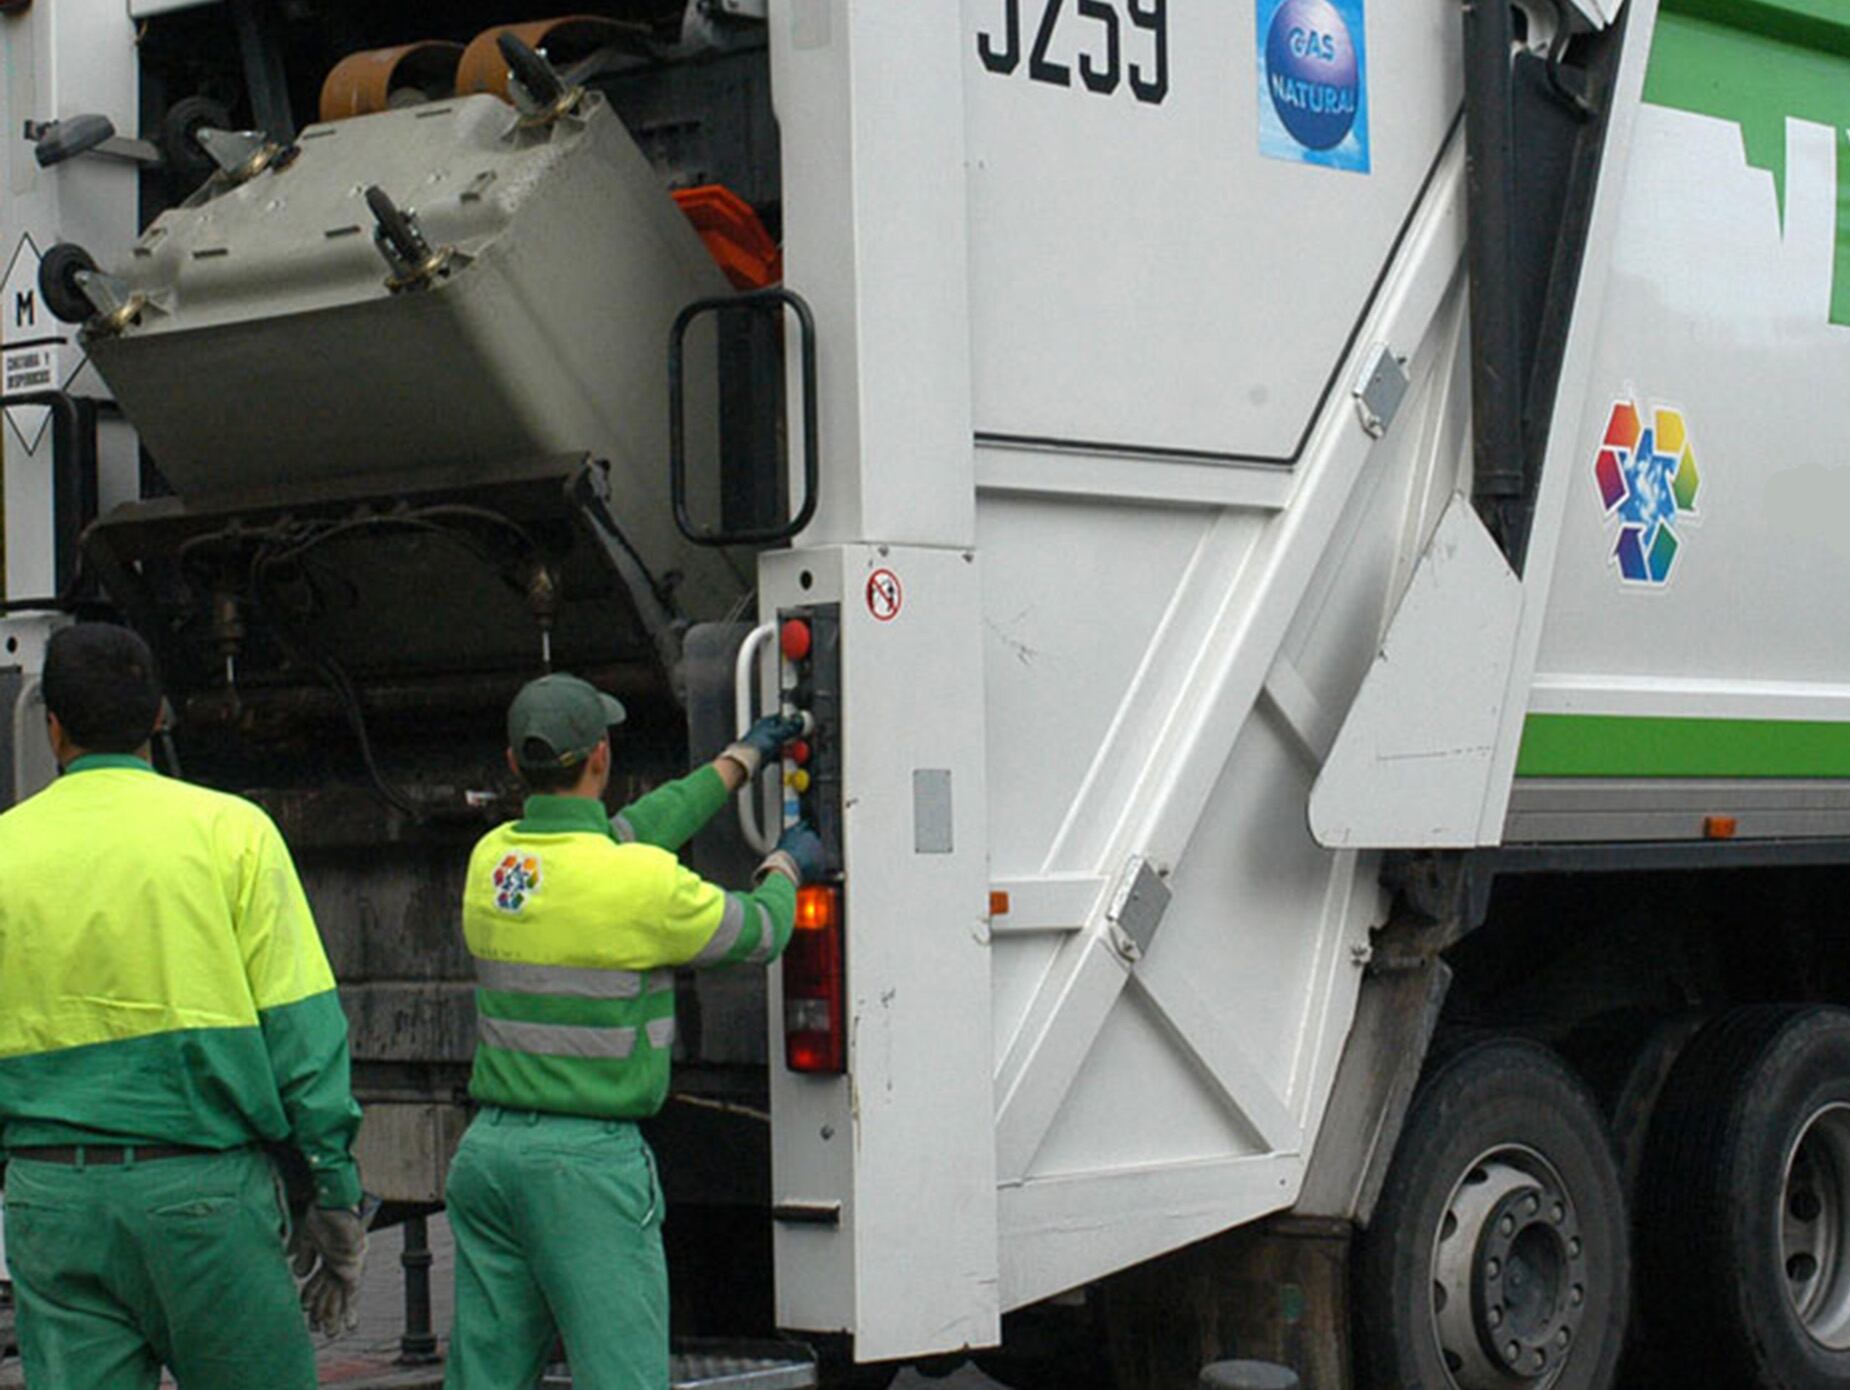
<point>165,1008</point>
<point>576,921</point>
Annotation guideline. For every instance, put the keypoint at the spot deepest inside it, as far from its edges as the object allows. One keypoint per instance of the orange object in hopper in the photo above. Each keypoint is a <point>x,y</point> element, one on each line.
<point>735,238</point>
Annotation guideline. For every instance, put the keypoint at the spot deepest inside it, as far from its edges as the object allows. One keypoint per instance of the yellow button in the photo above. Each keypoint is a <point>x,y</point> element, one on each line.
<point>797,781</point>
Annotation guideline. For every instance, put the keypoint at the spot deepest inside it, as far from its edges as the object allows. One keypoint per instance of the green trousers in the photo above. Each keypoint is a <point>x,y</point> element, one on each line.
<point>558,1226</point>
<point>120,1269</point>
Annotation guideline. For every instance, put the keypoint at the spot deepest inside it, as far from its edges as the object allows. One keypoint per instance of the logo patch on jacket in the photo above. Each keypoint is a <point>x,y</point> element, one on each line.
<point>517,878</point>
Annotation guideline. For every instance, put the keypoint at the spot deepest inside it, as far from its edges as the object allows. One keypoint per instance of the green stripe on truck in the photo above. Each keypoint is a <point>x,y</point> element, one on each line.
<point>1597,745</point>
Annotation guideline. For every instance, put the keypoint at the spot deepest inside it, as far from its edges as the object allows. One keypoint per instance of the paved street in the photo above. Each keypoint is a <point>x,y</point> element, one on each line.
<point>366,1359</point>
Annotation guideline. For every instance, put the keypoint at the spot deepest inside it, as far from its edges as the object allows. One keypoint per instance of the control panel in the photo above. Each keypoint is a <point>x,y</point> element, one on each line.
<point>809,684</point>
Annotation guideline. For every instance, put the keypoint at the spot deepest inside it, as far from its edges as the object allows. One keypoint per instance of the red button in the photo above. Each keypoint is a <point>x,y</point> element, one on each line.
<point>795,639</point>
<point>797,752</point>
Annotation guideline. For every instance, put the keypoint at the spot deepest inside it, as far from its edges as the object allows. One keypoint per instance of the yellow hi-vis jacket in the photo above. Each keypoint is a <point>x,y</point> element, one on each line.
<point>161,979</point>
<point>576,924</point>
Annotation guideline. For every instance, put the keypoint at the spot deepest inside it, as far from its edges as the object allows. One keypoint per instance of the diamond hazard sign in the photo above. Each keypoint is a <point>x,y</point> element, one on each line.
<point>36,351</point>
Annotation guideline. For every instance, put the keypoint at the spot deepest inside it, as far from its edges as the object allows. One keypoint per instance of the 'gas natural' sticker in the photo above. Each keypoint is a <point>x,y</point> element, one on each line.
<point>1313,82</point>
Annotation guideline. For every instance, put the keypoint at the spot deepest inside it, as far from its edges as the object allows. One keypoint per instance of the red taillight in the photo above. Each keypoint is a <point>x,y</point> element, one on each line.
<point>815,1038</point>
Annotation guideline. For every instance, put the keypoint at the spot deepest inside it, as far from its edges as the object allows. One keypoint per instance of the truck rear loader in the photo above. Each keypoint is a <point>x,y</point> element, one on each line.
<point>1305,532</point>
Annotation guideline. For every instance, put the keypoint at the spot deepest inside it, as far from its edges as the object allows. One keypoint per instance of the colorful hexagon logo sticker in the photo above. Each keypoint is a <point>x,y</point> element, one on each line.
<point>1645,472</point>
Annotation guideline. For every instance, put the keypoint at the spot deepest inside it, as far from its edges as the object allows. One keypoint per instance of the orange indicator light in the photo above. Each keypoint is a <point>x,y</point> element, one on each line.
<point>818,907</point>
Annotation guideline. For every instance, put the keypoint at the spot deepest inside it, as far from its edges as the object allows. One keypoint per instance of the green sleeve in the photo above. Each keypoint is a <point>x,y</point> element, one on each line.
<point>776,901</point>
<point>299,1014</point>
<point>670,816</point>
<point>703,925</point>
<point>307,1042</point>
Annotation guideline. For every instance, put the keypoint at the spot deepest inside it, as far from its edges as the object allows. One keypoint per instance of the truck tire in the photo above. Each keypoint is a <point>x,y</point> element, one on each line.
<point>1744,1205</point>
<point>1626,1059</point>
<point>1498,1257</point>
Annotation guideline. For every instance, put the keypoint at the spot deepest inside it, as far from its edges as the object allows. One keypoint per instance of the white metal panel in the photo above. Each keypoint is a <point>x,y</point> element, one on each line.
<point>1243,275</point>
<point>1412,763</point>
<point>1727,321</point>
<point>57,60</point>
<point>1110,1220</point>
<point>1122,1081</point>
<point>1597,13</point>
<point>869,99</point>
<point>1073,590</point>
<point>1721,697</point>
<point>1067,472</point>
<point>905,1142</point>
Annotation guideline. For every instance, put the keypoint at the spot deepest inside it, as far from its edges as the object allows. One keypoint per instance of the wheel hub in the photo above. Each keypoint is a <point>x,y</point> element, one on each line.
<point>1509,1274</point>
<point>1814,1209</point>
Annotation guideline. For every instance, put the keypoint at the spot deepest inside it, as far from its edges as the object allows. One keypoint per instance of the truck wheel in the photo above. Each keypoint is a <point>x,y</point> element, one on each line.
<point>1498,1257</point>
<point>1744,1204</point>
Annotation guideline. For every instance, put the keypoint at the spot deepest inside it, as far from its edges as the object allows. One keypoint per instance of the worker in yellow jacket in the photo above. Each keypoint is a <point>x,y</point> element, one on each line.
<point>577,921</point>
<point>165,1008</point>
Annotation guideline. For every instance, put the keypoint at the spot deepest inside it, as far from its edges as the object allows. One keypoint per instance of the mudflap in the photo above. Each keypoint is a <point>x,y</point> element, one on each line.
<point>1275,1291</point>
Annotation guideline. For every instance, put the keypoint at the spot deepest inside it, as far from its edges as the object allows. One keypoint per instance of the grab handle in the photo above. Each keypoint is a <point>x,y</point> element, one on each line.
<point>744,673</point>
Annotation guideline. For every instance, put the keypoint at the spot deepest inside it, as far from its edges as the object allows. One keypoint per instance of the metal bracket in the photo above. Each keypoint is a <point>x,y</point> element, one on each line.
<point>1137,907</point>
<point>117,306</point>
<point>88,134</point>
<point>241,155</point>
<point>1380,389</point>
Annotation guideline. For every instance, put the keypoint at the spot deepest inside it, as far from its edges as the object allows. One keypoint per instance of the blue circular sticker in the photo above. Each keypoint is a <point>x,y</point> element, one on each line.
<point>1312,72</point>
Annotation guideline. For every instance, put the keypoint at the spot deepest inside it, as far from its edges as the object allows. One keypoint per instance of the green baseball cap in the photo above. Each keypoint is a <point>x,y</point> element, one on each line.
<point>557,720</point>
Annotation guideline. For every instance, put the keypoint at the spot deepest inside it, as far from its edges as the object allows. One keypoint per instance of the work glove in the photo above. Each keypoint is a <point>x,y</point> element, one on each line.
<point>798,857</point>
<point>763,742</point>
<point>329,1250</point>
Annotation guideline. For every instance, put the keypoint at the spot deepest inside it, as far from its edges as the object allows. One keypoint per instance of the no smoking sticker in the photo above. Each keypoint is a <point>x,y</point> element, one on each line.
<point>884,596</point>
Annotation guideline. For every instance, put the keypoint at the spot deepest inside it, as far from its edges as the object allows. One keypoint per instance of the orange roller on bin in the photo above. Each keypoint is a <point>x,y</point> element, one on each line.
<point>384,79</point>
<point>562,42</point>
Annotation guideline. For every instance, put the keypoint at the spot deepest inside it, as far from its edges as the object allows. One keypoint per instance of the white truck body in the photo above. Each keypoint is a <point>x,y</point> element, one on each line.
<point>1145,557</point>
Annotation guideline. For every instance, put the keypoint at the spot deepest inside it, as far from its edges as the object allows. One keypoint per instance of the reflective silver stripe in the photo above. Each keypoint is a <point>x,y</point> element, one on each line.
<point>622,829</point>
<point>661,1033</point>
<point>767,937</point>
<point>557,1039</point>
<point>726,934</point>
<point>580,982</point>
<point>658,981</point>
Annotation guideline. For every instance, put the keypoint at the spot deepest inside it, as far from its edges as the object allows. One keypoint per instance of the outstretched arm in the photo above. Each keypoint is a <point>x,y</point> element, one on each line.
<point>670,816</point>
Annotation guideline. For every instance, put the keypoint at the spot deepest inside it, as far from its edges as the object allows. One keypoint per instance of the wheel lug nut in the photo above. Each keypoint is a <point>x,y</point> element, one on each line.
<point>1512,1353</point>
<point>1493,1269</point>
<point>1495,1316</point>
<point>1561,1338</point>
<point>1573,1247</point>
<point>1507,1225</point>
<point>1578,1296</point>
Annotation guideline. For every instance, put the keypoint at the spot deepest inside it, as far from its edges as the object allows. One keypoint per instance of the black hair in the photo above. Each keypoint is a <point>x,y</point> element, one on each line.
<point>100,681</point>
<point>540,771</point>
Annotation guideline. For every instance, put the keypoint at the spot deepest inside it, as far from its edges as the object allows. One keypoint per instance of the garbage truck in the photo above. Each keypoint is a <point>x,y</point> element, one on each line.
<point>1305,532</point>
